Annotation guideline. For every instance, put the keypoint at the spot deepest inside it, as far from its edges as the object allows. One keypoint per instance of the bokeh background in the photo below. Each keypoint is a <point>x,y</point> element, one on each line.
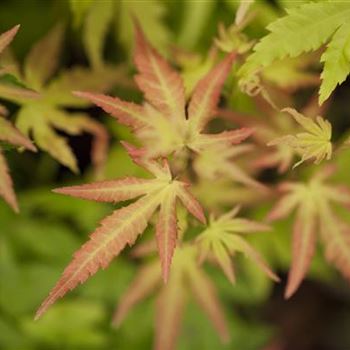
<point>36,245</point>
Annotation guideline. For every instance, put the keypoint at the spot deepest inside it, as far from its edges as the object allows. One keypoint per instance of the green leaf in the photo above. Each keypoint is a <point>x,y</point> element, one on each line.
<point>336,60</point>
<point>304,29</point>
<point>96,25</point>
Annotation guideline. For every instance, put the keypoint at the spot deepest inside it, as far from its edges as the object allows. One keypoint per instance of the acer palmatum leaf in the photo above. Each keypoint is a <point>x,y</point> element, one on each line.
<point>7,37</point>
<point>303,248</point>
<point>116,231</point>
<point>314,214</point>
<point>144,283</point>
<point>314,143</point>
<point>186,277</point>
<point>336,238</point>
<point>217,160</point>
<point>206,94</point>
<point>127,113</point>
<point>205,294</point>
<point>222,239</point>
<point>161,84</point>
<point>124,225</point>
<point>169,312</point>
<point>6,185</point>
<point>161,123</point>
<point>9,134</point>
<point>38,68</point>
<point>166,231</point>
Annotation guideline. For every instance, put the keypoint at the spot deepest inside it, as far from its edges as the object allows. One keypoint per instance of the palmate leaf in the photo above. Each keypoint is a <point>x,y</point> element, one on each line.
<point>186,278</point>
<point>305,29</point>
<point>9,134</point>
<point>161,123</point>
<point>313,201</point>
<point>43,116</point>
<point>124,225</point>
<point>314,143</point>
<point>216,160</point>
<point>221,240</point>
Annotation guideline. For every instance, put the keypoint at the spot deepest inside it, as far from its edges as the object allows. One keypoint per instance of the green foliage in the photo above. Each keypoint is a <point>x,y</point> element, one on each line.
<point>201,130</point>
<point>305,29</point>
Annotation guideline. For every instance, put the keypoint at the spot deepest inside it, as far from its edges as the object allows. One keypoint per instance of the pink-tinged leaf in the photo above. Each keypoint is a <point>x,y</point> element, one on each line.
<point>206,94</point>
<point>191,203</point>
<point>10,134</point>
<point>17,94</point>
<point>231,137</point>
<point>6,186</point>
<point>139,157</point>
<point>166,232</point>
<point>43,58</point>
<point>112,190</point>
<point>284,207</point>
<point>7,37</point>
<point>161,84</point>
<point>169,312</point>
<point>115,232</point>
<point>127,113</point>
<point>338,194</point>
<point>304,241</point>
<point>144,283</point>
<point>205,294</point>
<point>336,237</point>
<point>246,226</point>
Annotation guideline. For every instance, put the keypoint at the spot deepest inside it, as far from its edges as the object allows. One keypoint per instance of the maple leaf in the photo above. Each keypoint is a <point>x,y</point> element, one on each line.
<point>42,116</point>
<point>221,239</point>
<point>315,142</point>
<point>163,123</point>
<point>9,134</point>
<point>186,278</point>
<point>306,29</point>
<point>124,225</point>
<point>312,202</point>
<point>216,160</point>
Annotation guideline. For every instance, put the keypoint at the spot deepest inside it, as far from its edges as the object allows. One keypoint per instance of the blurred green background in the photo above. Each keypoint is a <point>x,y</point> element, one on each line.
<point>36,245</point>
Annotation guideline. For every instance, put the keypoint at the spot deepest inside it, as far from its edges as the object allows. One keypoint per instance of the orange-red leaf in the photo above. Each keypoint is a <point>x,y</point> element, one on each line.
<point>166,232</point>
<point>6,186</point>
<point>7,37</point>
<point>206,94</point>
<point>112,190</point>
<point>169,312</point>
<point>191,204</point>
<point>231,137</point>
<point>127,113</point>
<point>115,232</point>
<point>304,241</point>
<point>10,134</point>
<point>162,85</point>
